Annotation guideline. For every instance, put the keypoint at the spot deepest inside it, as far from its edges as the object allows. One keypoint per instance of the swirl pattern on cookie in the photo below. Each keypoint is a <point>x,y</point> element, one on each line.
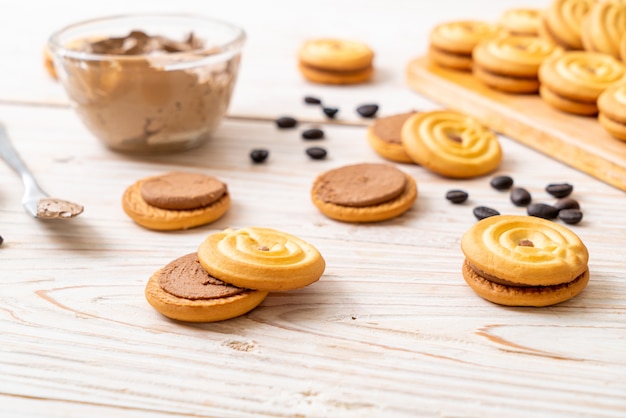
<point>564,18</point>
<point>521,55</point>
<point>451,144</point>
<point>261,258</point>
<point>525,251</point>
<point>604,27</point>
<point>581,74</point>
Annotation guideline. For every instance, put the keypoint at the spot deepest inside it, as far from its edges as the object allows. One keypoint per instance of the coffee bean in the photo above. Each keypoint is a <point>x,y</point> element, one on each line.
<point>570,216</point>
<point>560,189</point>
<point>501,182</point>
<point>259,155</point>
<point>317,153</point>
<point>367,110</point>
<point>542,210</point>
<point>286,122</point>
<point>312,100</point>
<point>456,196</point>
<point>482,212</point>
<point>313,134</point>
<point>1,240</point>
<point>520,196</point>
<point>330,111</point>
<point>567,203</point>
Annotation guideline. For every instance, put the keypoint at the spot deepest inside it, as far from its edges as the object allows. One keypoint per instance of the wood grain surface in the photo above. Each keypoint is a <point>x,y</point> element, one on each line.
<point>390,330</point>
<point>578,141</point>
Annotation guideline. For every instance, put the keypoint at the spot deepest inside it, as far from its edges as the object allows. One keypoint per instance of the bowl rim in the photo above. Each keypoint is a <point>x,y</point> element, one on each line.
<point>230,47</point>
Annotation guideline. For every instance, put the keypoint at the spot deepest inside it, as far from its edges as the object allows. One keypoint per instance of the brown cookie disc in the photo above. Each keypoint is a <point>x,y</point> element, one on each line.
<point>389,128</point>
<point>360,185</point>
<point>185,278</point>
<point>182,191</point>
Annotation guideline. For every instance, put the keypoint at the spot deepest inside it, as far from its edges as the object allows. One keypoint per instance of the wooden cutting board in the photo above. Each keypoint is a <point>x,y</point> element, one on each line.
<point>577,141</point>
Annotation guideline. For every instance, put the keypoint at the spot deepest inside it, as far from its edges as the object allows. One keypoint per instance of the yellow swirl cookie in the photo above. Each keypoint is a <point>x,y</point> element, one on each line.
<point>184,291</point>
<point>604,27</point>
<point>335,61</point>
<point>511,63</point>
<point>612,108</point>
<point>574,80</point>
<point>521,21</point>
<point>261,258</point>
<point>197,204</point>
<point>524,261</point>
<point>562,22</point>
<point>451,144</point>
<point>622,49</point>
<point>451,43</point>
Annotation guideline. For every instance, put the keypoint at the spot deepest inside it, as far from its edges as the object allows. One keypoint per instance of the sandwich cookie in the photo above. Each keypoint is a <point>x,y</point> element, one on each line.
<point>524,261</point>
<point>612,110</point>
<point>451,144</point>
<point>451,43</point>
<point>336,61</point>
<point>604,27</point>
<point>367,192</point>
<point>573,81</point>
<point>511,63</point>
<point>184,291</point>
<point>176,200</point>
<point>562,22</point>
<point>384,136</point>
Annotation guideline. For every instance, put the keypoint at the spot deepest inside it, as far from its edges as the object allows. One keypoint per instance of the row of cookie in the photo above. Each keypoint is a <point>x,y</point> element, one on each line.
<point>571,81</point>
<point>234,270</point>
<point>446,142</point>
<point>231,273</point>
<point>595,26</point>
<point>354,193</point>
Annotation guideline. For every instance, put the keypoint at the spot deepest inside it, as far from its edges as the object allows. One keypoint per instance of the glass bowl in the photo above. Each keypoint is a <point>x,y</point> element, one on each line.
<point>149,83</point>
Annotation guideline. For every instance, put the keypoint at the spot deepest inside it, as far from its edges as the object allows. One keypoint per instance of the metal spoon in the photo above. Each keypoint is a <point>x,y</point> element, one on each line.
<point>36,202</point>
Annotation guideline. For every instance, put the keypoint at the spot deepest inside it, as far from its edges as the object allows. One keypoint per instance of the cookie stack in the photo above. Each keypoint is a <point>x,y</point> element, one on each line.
<point>231,273</point>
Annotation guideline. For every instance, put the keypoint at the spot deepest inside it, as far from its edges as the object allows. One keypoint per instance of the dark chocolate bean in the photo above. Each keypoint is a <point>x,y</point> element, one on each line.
<point>259,155</point>
<point>367,110</point>
<point>456,196</point>
<point>312,100</point>
<point>317,153</point>
<point>570,216</point>
<point>482,212</point>
<point>560,189</point>
<point>501,182</point>
<point>542,210</point>
<point>314,133</point>
<point>567,203</point>
<point>286,122</point>
<point>331,112</point>
<point>520,196</point>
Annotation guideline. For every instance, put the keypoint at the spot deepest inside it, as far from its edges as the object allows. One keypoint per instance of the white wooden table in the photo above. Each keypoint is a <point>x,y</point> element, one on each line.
<point>391,329</point>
